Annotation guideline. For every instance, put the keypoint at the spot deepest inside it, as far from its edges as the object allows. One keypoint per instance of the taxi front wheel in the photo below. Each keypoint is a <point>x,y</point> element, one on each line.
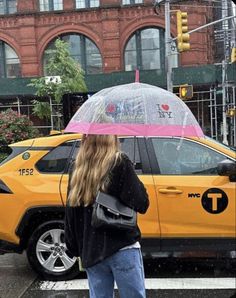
<point>48,255</point>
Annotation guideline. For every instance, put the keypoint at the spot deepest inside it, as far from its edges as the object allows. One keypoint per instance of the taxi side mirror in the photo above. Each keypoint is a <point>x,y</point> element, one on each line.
<point>227,168</point>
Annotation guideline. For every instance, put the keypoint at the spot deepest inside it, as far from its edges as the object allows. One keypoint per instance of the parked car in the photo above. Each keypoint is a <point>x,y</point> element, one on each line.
<point>190,181</point>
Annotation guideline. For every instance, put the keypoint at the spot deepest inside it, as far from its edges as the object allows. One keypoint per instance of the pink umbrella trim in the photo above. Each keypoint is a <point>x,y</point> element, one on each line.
<point>135,129</point>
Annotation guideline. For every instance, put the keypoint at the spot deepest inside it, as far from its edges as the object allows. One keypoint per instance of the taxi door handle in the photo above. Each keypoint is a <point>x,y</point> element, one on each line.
<point>170,191</point>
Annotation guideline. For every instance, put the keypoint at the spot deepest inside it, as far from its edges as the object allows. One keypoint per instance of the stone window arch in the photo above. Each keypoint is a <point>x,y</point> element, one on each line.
<point>83,50</point>
<point>9,61</point>
<point>145,50</point>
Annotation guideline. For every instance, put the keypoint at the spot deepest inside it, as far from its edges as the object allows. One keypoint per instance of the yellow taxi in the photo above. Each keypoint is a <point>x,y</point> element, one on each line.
<point>191,184</point>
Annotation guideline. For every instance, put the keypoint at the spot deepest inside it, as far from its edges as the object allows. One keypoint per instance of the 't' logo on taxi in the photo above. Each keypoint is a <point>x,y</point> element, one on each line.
<point>214,200</point>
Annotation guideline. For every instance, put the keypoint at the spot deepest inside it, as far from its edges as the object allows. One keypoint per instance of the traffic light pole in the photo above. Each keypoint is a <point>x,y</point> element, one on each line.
<point>207,25</point>
<point>224,122</point>
<point>168,41</point>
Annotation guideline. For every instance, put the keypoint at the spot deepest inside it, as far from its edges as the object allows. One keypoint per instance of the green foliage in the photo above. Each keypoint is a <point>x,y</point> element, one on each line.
<point>3,153</point>
<point>41,109</point>
<point>71,74</point>
<point>15,127</point>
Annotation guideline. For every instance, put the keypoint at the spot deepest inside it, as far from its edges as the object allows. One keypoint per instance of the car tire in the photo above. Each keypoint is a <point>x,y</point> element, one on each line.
<point>47,253</point>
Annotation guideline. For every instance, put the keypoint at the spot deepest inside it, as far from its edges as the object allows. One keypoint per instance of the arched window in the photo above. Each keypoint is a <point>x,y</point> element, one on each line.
<point>146,50</point>
<point>83,50</point>
<point>7,6</point>
<point>9,62</point>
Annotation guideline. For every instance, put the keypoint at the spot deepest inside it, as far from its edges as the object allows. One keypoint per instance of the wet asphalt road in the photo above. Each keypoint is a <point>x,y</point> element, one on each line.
<point>17,280</point>
<point>15,275</point>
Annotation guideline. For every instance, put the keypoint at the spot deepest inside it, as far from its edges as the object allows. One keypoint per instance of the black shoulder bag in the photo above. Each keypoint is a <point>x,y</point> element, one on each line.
<point>110,213</point>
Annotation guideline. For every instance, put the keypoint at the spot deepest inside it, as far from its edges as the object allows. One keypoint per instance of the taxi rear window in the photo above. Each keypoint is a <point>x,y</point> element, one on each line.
<point>7,153</point>
<point>56,160</point>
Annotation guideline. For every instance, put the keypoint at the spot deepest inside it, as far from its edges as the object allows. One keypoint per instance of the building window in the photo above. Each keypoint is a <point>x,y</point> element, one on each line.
<point>7,6</point>
<point>130,2</point>
<point>83,50</point>
<point>9,62</point>
<point>145,50</point>
<point>50,5</point>
<point>86,3</point>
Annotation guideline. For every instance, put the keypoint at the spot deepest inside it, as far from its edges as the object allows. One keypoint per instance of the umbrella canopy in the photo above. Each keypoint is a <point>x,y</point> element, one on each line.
<point>135,109</point>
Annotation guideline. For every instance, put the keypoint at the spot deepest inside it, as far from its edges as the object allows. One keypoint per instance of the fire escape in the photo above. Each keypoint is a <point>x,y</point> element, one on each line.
<point>222,97</point>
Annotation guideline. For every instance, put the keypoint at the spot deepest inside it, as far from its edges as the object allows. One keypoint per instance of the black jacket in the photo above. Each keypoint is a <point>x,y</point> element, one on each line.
<point>94,245</point>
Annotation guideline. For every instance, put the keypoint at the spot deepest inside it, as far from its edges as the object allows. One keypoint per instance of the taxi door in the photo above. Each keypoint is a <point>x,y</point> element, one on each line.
<point>149,222</point>
<point>193,201</point>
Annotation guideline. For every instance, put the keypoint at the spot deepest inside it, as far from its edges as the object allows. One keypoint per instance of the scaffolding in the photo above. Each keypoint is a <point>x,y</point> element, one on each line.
<point>209,110</point>
<point>206,105</point>
<point>24,106</point>
<point>225,39</point>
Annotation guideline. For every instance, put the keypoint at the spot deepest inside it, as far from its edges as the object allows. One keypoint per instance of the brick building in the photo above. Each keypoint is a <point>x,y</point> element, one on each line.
<point>110,39</point>
<point>100,33</point>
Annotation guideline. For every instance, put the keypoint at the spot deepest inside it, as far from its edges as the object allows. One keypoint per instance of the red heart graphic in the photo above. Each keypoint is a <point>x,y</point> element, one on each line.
<point>165,107</point>
<point>111,108</point>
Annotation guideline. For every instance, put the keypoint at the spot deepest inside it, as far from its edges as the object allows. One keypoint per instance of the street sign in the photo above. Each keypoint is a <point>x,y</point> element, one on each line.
<point>53,79</point>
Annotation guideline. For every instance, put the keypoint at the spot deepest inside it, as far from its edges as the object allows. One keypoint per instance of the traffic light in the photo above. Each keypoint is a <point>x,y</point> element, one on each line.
<point>182,29</point>
<point>231,112</point>
<point>233,55</point>
<point>186,91</point>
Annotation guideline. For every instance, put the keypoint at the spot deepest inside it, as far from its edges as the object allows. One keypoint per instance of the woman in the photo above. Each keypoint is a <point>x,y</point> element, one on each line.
<point>107,256</point>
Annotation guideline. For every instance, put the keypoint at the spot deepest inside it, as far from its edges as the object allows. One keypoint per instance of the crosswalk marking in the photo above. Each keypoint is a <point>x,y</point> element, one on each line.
<point>150,283</point>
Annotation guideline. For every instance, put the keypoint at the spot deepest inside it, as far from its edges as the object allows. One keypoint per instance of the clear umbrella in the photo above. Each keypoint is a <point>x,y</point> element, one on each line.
<point>135,109</point>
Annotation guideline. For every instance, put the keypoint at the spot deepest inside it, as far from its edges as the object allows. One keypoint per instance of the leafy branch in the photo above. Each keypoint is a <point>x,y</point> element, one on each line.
<point>60,64</point>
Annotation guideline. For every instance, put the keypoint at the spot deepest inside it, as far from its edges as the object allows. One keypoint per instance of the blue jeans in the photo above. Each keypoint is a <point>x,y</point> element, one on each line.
<point>125,268</point>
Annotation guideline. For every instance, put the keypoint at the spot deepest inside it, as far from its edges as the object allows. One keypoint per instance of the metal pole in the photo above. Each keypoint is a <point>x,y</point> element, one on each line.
<point>209,24</point>
<point>224,123</point>
<point>168,47</point>
<point>50,101</point>
<point>202,110</point>
<point>225,27</point>
<point>234,124</point>
<point>18,105</point>
<point>215,110</point>
<point>211,114</point>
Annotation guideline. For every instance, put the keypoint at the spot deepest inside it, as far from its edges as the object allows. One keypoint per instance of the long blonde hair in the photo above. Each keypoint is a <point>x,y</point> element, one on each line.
<point>95,157</point>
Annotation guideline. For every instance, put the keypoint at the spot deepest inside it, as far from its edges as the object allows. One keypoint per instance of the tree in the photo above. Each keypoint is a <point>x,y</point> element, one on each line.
<point>60,64</point>
<point>14,128</point>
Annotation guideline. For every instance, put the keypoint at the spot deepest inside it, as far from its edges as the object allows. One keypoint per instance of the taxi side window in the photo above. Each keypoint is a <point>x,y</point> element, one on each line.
<point>56,160</point>
<point>181,157</point>
<point>72,157</point>
<point>75,151</point>
<point>130,147</point>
